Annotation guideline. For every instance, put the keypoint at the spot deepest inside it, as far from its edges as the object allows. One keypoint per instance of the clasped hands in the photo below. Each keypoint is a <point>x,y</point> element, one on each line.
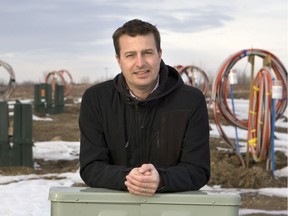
<point>143,180</point>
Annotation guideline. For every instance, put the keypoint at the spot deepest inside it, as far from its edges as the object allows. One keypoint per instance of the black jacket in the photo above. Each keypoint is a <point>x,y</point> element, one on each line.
<point>169,129</point>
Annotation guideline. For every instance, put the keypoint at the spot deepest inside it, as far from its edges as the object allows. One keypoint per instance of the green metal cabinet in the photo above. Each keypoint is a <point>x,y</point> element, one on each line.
<point>22,135</point>
<point>42,97</point>
<point>75,201</point>
<point>16,148</point>
<point>47,100</point>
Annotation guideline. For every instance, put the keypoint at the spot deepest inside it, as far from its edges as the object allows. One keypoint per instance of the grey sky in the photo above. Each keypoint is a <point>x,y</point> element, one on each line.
<point>39,36</point>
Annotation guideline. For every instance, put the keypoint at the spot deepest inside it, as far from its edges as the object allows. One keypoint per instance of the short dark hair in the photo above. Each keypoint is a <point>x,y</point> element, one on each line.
<point>133,28</point>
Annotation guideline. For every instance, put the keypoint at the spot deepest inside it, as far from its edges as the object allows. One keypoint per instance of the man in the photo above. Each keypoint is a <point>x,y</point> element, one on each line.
<point>145,131</point>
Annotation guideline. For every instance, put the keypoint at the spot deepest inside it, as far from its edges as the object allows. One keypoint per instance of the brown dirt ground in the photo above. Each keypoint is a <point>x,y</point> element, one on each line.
<point>226,169</point>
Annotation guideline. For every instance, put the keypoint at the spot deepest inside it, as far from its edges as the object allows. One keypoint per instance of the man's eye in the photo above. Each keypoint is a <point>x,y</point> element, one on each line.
<point>129,56</point>
<point>149,53</point>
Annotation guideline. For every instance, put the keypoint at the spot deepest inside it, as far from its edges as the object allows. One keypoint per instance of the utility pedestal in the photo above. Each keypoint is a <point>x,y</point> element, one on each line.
<point>16,136</point>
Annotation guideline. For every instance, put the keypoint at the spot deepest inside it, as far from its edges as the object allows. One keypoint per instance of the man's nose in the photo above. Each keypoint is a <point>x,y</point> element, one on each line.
<point>140,61</point>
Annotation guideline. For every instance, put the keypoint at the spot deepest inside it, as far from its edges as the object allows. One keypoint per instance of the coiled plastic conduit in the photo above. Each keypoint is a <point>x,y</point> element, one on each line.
<point>259,102</point>
<point>11,85</point>
<point>191,71</point>
<point>52,78</point>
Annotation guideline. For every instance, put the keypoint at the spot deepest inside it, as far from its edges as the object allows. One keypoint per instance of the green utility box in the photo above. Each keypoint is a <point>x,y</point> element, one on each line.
<point>16,136</point>
<point>77,201</point>
<point>48,99</point>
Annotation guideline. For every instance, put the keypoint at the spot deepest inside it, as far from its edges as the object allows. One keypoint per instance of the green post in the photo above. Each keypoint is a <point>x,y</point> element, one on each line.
<point>59,99</point>
<point>38,98</point>
<point>4,137</point>
<point>48,98</point>
<point>22,146</point>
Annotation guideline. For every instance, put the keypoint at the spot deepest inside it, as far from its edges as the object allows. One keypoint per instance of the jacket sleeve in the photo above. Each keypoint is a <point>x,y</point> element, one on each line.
<point>193,169</point>
<point>95,167</point>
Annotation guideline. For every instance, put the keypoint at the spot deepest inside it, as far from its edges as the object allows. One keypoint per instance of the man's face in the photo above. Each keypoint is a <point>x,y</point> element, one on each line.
<point>139,61</point>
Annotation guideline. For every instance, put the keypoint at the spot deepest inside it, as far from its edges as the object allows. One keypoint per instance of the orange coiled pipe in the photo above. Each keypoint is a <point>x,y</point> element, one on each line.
<point>60,77</point>
<point>194,76</point>
<point>220,92</point>
<point>259,121</point>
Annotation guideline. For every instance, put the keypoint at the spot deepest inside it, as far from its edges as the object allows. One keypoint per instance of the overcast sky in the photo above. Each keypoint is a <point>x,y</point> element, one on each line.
<point>39,36</point>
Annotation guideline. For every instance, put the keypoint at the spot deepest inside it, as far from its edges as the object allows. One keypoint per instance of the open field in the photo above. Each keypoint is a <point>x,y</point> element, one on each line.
<point>226,168</point>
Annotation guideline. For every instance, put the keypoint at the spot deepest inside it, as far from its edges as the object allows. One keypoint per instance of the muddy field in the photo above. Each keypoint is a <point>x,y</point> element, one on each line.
<point>226,169</point>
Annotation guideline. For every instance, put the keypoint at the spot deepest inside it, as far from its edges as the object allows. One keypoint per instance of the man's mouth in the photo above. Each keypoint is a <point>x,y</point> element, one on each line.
<point>139,72</point>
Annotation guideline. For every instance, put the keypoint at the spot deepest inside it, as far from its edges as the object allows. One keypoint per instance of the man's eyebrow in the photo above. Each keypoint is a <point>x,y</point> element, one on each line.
<point>134,52</point>
<point>148,50</point>
<point>129,52</point>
